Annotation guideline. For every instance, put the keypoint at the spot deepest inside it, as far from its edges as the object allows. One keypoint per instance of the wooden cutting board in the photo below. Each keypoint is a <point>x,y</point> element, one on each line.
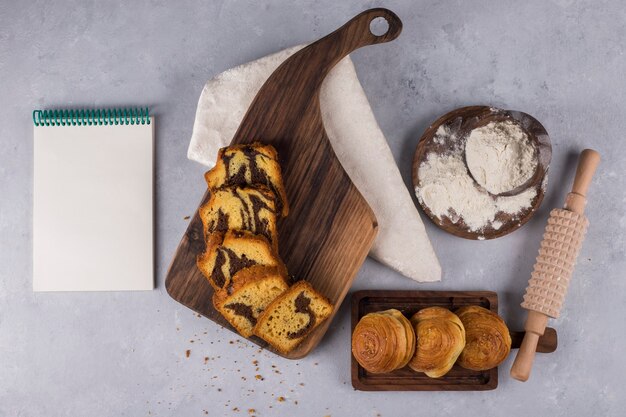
<point>330,227</point>
<point>410,302</point>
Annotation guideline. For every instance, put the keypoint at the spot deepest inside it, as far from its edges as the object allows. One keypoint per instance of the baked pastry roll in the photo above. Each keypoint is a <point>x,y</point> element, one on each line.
<point>241,208</point>
<point>253,289</point>
<point>487,339</point>
<point>230,252</point>
<point>249,164</point>
<point>440,341</point>
<point>292,316</point>
<point>383,341</point>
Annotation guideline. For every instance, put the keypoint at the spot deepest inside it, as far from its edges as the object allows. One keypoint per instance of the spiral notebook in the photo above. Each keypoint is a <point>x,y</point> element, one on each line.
<point>93,200</point>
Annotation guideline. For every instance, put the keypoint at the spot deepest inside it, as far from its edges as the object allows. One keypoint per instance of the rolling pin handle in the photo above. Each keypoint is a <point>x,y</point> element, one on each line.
<point>587,164</point>
<point>535,327</point>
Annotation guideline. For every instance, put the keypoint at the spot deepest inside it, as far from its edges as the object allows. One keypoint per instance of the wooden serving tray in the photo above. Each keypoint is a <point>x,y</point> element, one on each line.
<point>409,302</point>
<point>330,227</point>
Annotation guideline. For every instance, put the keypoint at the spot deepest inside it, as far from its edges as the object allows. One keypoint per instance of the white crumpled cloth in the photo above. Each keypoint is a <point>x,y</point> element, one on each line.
<point>360,145</point>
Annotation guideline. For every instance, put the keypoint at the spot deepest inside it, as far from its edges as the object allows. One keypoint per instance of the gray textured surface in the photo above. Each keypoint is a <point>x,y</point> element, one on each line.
<point>124,353</point>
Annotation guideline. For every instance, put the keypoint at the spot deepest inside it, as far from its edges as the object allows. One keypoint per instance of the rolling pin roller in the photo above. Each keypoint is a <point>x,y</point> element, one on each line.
<point>559,249</point>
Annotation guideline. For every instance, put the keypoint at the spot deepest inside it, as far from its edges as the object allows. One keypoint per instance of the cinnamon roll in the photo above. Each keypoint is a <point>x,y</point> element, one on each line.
<point>440,340</point>
<point>487,339</point>
<point>383,341</point>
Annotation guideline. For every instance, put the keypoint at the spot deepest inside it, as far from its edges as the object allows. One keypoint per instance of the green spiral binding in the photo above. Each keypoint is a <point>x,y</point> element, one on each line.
<point>100,117</point>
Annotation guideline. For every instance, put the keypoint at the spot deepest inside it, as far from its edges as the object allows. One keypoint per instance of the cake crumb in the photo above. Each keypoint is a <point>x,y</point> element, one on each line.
<point>259,377</point>
<point>187,352</point>
<point>281,399</point>
<point>186,217</point>
<point>251,411</point>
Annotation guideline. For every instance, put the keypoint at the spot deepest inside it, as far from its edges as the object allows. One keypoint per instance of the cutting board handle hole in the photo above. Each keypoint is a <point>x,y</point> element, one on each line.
<point>379,26</point>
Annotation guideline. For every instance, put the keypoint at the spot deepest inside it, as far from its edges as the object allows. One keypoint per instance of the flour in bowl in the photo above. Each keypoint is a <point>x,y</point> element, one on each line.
<point>500,156</point>
<point>448,190</point>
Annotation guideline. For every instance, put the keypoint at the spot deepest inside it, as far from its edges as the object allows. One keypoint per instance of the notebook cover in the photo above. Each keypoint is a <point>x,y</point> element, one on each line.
<point>93,208</point>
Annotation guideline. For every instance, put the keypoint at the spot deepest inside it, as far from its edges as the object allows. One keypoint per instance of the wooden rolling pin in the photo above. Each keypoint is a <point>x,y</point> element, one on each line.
<point>559,249</point>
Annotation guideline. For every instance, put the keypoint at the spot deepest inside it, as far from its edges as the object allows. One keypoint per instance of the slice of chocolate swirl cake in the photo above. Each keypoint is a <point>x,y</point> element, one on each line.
<point>253,289</point>
<point>241,208</point>
<point>292,316</point>
<point>230,252</point>
<point>250,164</point>
<point>241,260</point>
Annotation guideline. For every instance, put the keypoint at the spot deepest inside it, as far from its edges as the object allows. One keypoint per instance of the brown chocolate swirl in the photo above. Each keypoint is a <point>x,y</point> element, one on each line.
<point>303,305</point>
<point>235,264</point>
<point>243,310</point>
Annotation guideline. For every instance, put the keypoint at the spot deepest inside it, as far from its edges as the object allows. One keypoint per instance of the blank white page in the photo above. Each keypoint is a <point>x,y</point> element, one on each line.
<point>93,208</point>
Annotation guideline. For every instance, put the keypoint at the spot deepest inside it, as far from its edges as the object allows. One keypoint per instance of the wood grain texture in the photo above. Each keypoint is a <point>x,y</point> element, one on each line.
<point>547,343</point>
<point>470,118</point>
<point>409,302</point>
<point>330,227</point>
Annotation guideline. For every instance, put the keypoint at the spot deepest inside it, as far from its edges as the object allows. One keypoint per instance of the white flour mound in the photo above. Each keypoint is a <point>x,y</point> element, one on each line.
<point>500,156</point>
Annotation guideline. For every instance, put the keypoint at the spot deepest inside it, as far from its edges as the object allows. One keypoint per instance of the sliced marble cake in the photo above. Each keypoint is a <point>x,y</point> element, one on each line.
<point>228,253</point>
<point>249,164</point>
<point>253,289</point>
<point>241,208</point>
<point>292,316</point>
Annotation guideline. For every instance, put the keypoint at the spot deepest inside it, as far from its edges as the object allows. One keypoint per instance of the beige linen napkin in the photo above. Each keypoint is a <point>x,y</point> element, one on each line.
<point>360,145</point>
